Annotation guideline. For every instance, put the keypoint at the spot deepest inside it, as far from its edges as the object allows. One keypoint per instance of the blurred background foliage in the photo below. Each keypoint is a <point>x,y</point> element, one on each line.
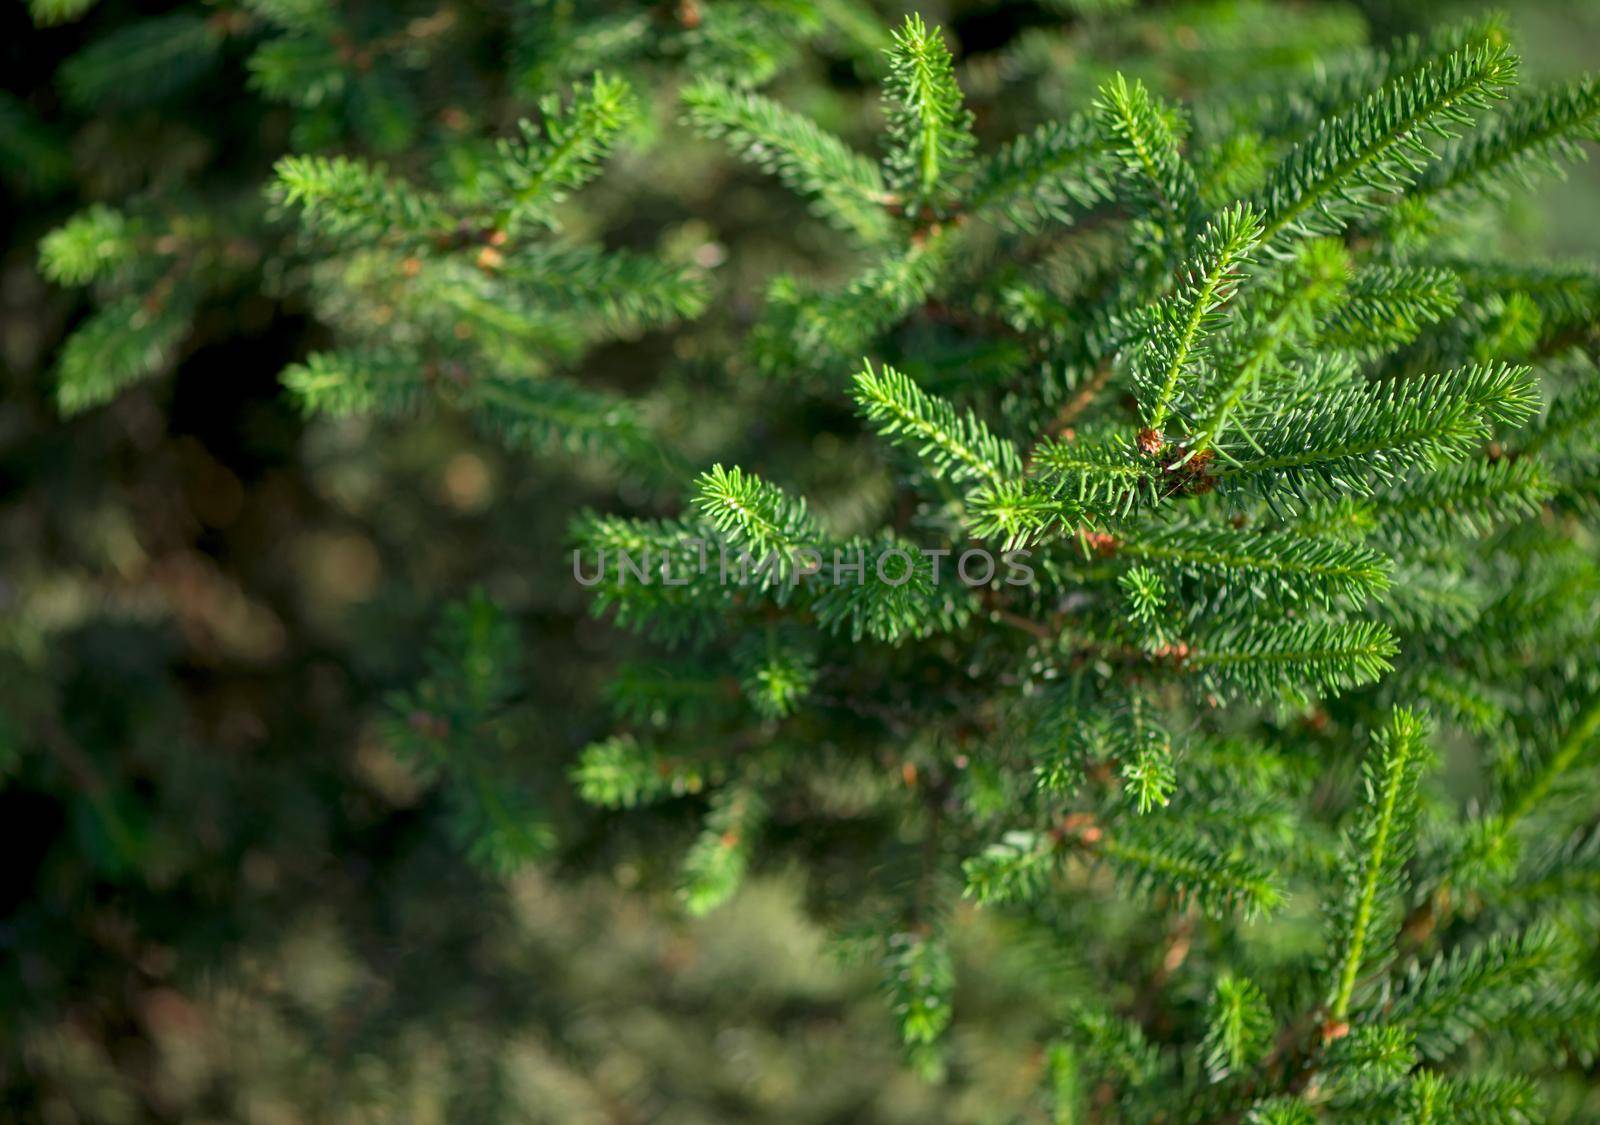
<point>227,897</point>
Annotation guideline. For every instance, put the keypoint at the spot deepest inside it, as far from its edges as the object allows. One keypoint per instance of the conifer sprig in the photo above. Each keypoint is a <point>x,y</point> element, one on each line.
<point>1313,283</point>
<point>1143,136</point>
<point>846,188</point>
<point>1376,852</point>
<point>1535,133</point>
<point>757,517</point>
<point>1459,995</point>
<point>561,153</point>
<point>1353,439</point>
<point>1386,306</point>
<point>1276,658</point>
<point>351,201</point>
<point>955,443</point>
<point>1377,146</point>
<point>1176,328</point>
<point>929,126</point>
<point>1280,567</point>
<point>1043,176</point>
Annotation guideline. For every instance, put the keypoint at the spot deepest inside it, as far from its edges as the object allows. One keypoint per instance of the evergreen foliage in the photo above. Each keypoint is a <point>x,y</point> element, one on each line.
<point>1109,537</point>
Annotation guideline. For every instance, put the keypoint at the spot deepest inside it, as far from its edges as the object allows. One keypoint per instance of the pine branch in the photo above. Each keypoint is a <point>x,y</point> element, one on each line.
<point>1465,500</point>
<point>897,597</point>
<point>349,383</point>
<point>620,289</point>
<point>955,444</point>
<point>1582,735</point>
<point>1141,133</point>
<point>1377,146</point>
<point>1043,176</point>
<point>1377,852</point>
<point>929,126</point>
<point>845,187</point>
<point>1277,657</point>
<point>1166,354</point>
<point>142,63</point>
<point>445,723</point>
<point>805,330</point>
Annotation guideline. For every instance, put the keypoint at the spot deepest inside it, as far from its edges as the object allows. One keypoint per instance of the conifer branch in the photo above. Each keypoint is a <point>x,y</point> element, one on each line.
<point>1379,848</point>
<point>1044,175</point>
<point>1285,657</point>
<point>1351,437</point>
<point>350,201</point>
<point>1285,567</point>
<point>929,126</point>
<point>1377,146</point>
<point>845,186</point>
<point>1316,279</point>
<point>561,153</point>
<point>757,517</point>
<point>1536,132</point>
<point>1386,306</point>
<point>955,444</point>
<point>1178,326</point>
<point>1141,133</point>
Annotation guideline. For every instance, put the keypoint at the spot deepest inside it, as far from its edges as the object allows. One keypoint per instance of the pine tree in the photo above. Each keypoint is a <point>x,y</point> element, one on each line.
<point>1211,481</point>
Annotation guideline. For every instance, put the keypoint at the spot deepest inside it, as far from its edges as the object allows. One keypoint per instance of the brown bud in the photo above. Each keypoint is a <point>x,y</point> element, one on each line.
<point>1151,441</point>
<point>1101,542</point>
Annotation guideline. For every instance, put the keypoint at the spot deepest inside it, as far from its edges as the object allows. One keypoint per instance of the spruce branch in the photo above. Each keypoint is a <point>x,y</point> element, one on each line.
<point>561,153</point>
<point>1354,438</point>
<point>1461,994</point>
<point>956,445</point>
<point>1535,133</point>
<point>1278,657</point>
<point>845,187</point>
<point>715,865</point>
<point>1317,276</point>
<point>1377,146</point>
<point>1386,306</point>
<point>352,202</point>
<point>1043,176</point>
<point>1142,135</point>
<point>622,772</point>
<point>1286,568</point>
<point>1156,863</point>
<point>929,126</point>
<point>1175,328</point>
<point>759,518</point>
<point>1377,851</point>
